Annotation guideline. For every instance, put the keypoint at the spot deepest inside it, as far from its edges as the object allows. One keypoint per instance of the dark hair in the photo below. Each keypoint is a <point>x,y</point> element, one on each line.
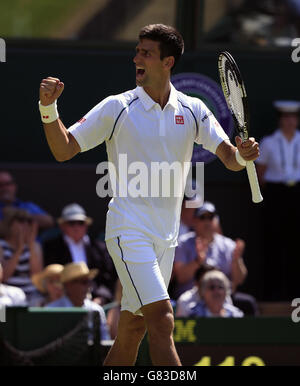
<point>171,41</point>
<point>204,268</point>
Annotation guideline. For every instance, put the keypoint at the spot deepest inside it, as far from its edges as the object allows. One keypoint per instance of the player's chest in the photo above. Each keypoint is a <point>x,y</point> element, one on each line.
<point>171,127</point>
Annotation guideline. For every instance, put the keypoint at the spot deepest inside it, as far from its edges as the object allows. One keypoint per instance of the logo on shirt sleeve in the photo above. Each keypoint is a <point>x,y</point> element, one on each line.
<point>179,120</point>
<point>81,120</point>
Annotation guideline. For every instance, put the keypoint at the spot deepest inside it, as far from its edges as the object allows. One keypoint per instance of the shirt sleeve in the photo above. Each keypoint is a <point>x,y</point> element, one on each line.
<point>97,125</point>
<point>210,133</point>
<point>33,208</point>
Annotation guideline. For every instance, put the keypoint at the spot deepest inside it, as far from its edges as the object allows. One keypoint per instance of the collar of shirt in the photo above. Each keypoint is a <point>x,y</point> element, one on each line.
<point>84,241</point>
<point>278,134</point>
<point>148,102</point>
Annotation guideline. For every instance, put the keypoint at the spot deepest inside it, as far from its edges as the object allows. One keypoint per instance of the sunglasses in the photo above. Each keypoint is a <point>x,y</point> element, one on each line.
<point>72,223</point>
<point>207,216</point>
<point>212,287</point>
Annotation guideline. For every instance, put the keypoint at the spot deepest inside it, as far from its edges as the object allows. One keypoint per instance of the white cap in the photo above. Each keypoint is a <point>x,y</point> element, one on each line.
<point>287,106</point>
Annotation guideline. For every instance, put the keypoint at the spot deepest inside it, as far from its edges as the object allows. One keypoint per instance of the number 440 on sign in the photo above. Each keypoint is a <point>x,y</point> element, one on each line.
<point>230,361</point>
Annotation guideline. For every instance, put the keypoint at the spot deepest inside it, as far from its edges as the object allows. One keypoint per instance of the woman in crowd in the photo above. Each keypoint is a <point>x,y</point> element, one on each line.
<point>20,254</point>
<point>49,284</point>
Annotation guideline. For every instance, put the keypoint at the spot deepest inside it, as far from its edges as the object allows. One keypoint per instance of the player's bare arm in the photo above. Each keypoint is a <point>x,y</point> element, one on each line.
<point>62,144</point>
<point>248,150</point>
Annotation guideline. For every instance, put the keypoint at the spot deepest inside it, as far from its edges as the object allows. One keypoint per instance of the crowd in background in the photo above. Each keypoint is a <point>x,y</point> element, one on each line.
<point>71,269</point>
<point>68,268</point>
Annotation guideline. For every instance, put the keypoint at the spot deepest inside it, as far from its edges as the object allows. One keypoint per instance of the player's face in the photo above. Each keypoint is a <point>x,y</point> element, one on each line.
<point>150,69</point>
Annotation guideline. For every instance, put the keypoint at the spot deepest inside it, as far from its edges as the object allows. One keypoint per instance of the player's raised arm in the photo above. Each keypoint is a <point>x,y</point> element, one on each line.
<point>62,143</point>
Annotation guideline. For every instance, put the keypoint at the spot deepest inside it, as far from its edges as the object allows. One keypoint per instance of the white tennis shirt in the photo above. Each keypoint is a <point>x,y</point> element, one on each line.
<point>140,135</point>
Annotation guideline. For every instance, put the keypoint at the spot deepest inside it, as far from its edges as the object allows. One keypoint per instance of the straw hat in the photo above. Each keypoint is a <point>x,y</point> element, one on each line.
<point>76,270</point>
<point>38,279</point>
<point>74,212</point>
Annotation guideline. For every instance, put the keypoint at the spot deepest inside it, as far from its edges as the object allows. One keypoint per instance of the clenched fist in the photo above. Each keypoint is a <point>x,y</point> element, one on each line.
<point>50,90</point>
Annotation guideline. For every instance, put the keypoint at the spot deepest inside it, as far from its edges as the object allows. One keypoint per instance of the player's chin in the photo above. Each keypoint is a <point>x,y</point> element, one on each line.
<point>141,80</point>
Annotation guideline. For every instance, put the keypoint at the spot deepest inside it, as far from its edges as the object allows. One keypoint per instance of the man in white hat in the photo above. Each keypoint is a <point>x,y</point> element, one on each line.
<point>76,279</point>
<point>278,169</point>
<point>75,245</point>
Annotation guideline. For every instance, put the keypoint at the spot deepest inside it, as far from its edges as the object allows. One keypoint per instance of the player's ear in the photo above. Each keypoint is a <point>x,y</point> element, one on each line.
<point>169,62</point>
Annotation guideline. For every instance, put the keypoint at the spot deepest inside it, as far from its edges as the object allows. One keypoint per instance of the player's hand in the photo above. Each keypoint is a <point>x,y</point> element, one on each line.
<point>249,149</point>
<point>50,90</point>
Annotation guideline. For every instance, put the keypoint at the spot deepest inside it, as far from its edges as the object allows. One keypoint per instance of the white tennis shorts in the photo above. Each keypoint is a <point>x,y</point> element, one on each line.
<point>144,269</point>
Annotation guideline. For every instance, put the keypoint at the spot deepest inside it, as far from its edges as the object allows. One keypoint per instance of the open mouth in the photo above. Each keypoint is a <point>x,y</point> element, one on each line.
<point>140,72</point>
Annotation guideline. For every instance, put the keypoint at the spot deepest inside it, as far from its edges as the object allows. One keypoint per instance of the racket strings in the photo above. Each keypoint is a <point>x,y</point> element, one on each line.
<point>235,96</point>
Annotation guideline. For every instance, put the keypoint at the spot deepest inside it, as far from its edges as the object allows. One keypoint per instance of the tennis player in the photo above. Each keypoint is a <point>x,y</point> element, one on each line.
<point>153,122</point>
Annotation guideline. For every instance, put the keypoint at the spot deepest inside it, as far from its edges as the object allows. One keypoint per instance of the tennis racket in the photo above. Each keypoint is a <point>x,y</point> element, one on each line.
<point>236,98</point>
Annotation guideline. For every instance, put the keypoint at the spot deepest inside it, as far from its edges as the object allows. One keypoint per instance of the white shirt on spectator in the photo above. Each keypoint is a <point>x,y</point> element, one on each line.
<point>12,296</point>
<point>282,157</point>
<point>77,250</point>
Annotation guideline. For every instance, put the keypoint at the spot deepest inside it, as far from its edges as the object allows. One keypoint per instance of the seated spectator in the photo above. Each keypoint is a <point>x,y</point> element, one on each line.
<point>49,284</point>
<point>76,279</point>
<point>74,245</point>
<point>210,298</point>
<point>8,191</point>
<point>9,295</point>
<point>20,254</point>
<point>205,245</point>
<point>192,296</point>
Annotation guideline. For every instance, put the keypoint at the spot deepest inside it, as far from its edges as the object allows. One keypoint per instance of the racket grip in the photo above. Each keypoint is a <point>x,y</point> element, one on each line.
<point>253,181</point>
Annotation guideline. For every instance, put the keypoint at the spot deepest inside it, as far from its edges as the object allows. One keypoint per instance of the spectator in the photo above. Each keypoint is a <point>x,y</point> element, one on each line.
<point>185,300</point>
<point>76,279</point>
<point>188,208</point>
<point>8,191</point>
<point>49,284</point>
<point>278,169</point>
<point>213,289</point>
<point>9,295</point>
<point>205,245</point>
<point>74,245</point>
<point>20,254</point>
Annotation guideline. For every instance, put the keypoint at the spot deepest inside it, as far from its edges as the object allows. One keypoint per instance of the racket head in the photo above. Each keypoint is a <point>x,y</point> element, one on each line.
<point>235,93</point>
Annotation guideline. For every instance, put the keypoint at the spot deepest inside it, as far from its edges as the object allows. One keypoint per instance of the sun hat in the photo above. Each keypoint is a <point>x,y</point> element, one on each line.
<point>38,279</point>
<point>74,271</point>
<point>74,212</point>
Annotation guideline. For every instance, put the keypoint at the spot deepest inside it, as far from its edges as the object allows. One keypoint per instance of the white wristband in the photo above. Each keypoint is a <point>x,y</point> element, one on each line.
<point>48,113</point>
<point>240,159</point>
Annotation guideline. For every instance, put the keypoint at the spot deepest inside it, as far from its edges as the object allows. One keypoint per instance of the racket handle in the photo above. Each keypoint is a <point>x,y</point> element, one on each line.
<point>252,176</point>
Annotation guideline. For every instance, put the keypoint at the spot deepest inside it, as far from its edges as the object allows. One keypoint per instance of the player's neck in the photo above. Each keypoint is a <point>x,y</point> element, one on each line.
<point>159,94</point>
